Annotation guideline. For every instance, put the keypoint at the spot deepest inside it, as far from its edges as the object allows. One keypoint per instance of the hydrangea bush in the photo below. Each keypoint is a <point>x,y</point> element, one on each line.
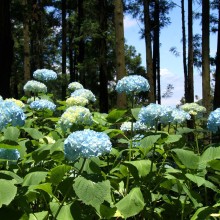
<point>78,164</point>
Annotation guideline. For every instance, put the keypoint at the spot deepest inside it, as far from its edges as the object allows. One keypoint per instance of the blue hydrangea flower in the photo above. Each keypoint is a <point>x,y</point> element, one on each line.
<point>137,126</point>
<point>12,114</point>
<point>179,116</point>
<point>44,75</point>
<point>17,102</point>
<point>74,86</point>
<point>84,93</point>
<point>167,117</point>
<point>213,123</point>
<point>35,86</point>
<point>133,83</point>
<point>75,115</point>
<point>86,144</point>
<point>9,154</point>
<point>43,104</point>
<point>151,114</point>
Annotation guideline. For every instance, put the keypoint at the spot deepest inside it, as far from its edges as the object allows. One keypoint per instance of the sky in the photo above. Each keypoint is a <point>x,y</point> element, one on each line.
<point>171,66</point>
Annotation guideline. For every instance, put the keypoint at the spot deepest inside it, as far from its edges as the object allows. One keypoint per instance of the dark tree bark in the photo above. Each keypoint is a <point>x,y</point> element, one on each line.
<point>149,60</point>
<point>6,48</point>
<point>64,49</point>
<point>206,96</point>
<point>216,103</point>
<point>190,96</point>
<point>81,43</point>
<point>119,48</point>
<point>103,97</point>
<point>184,49</point>
<point>156,52</point>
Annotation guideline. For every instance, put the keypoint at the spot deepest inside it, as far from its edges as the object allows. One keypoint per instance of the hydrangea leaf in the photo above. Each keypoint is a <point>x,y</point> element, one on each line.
<point>34,133</point>
<point>115,115</point>
<point>64,213</point>
<point>91,193</point>
<point>135,112</point>
<point>131,204</point>
<point>57,173</point>
<point>172,138</point>
<point>38,215</point>
<point>34,178</point>
<point>139,168</point>
<point>11,133</point>
<point>7,191</point>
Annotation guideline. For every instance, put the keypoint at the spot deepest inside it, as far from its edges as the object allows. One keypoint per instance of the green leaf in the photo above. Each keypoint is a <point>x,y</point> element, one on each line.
<point>135,112</point>
<point>10,176</point>
<point>184,130</point>
<point>131,204</point>
<point>203,213</point>
<point>172,138</point>
<point>57,173</point>
<point>34,178</point>
<point>64,213</point>
<point>11,133</point>
<point>7,144</point>
<point>7,192</point>
<point>91,193</point>
<point>34,133</point>
<point>188,158</point>
<point>115,115</point>
<point>201,181</point>
<point>38,215</point>
<point>46,187</point>
<point>139,168</point>
<point>149,141</point>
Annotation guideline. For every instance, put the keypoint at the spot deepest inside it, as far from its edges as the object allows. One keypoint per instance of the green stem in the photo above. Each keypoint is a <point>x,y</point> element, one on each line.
<point>152,161</point>
<point>183,208</point>
<point>197,144</point>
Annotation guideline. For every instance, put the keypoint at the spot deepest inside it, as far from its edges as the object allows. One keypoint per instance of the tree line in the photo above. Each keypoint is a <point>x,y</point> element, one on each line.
<point>83,41</point>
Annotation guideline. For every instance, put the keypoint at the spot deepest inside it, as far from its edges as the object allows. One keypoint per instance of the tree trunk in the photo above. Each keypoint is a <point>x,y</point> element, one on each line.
<point>63,49</point>
<point>156,52</point>
<point>103,98</point>
<point>190,96</point>
<point>216,103</point>
<point>6,45</point>
<point>149,60</point>
<point>184,50</point>
<point>26,33</point>
<point>81,44</point>
<point>206,96</point>
<point>119,48</point>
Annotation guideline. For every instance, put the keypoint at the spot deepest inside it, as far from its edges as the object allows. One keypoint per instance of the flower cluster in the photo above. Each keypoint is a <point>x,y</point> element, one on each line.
<point>86,144</point>
<point>75,115</point>
<point>133,83</point>
<point>44,75</point>
<point>12,114</point>
<point>213,123</point>
<point>17,102</point>
<point>77,100</point>
<point>43,104</point>
<point>155,113</point>
<point>74,86</point>
<point>137,126</point>
<point>35,86</point>
<point>193,108</point>
<point>84,93</point>
<point>9,154</point>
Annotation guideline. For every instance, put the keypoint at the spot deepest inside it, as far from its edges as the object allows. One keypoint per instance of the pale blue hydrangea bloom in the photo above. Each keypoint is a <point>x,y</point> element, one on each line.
<point>137,126</point>
<point>151,114</point>
<point>77,100</point>
<point>43,104</point>
<point>86,144</point>
<point>84,93</point>
<point>213,123</point>
<point>179,116</point>
<point>74,86</point>
<point>75,115</point>
<point>12,114</point>
<point>136,140</point>
<point>133,83</point>
<point>193,108</point>
<point>31,99</point>
<point>17,102</point>
<point>9,154</point>
<point>45,75</point>
<point>35,86</point>
<point>167,117</point>
<point>1,99</point>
